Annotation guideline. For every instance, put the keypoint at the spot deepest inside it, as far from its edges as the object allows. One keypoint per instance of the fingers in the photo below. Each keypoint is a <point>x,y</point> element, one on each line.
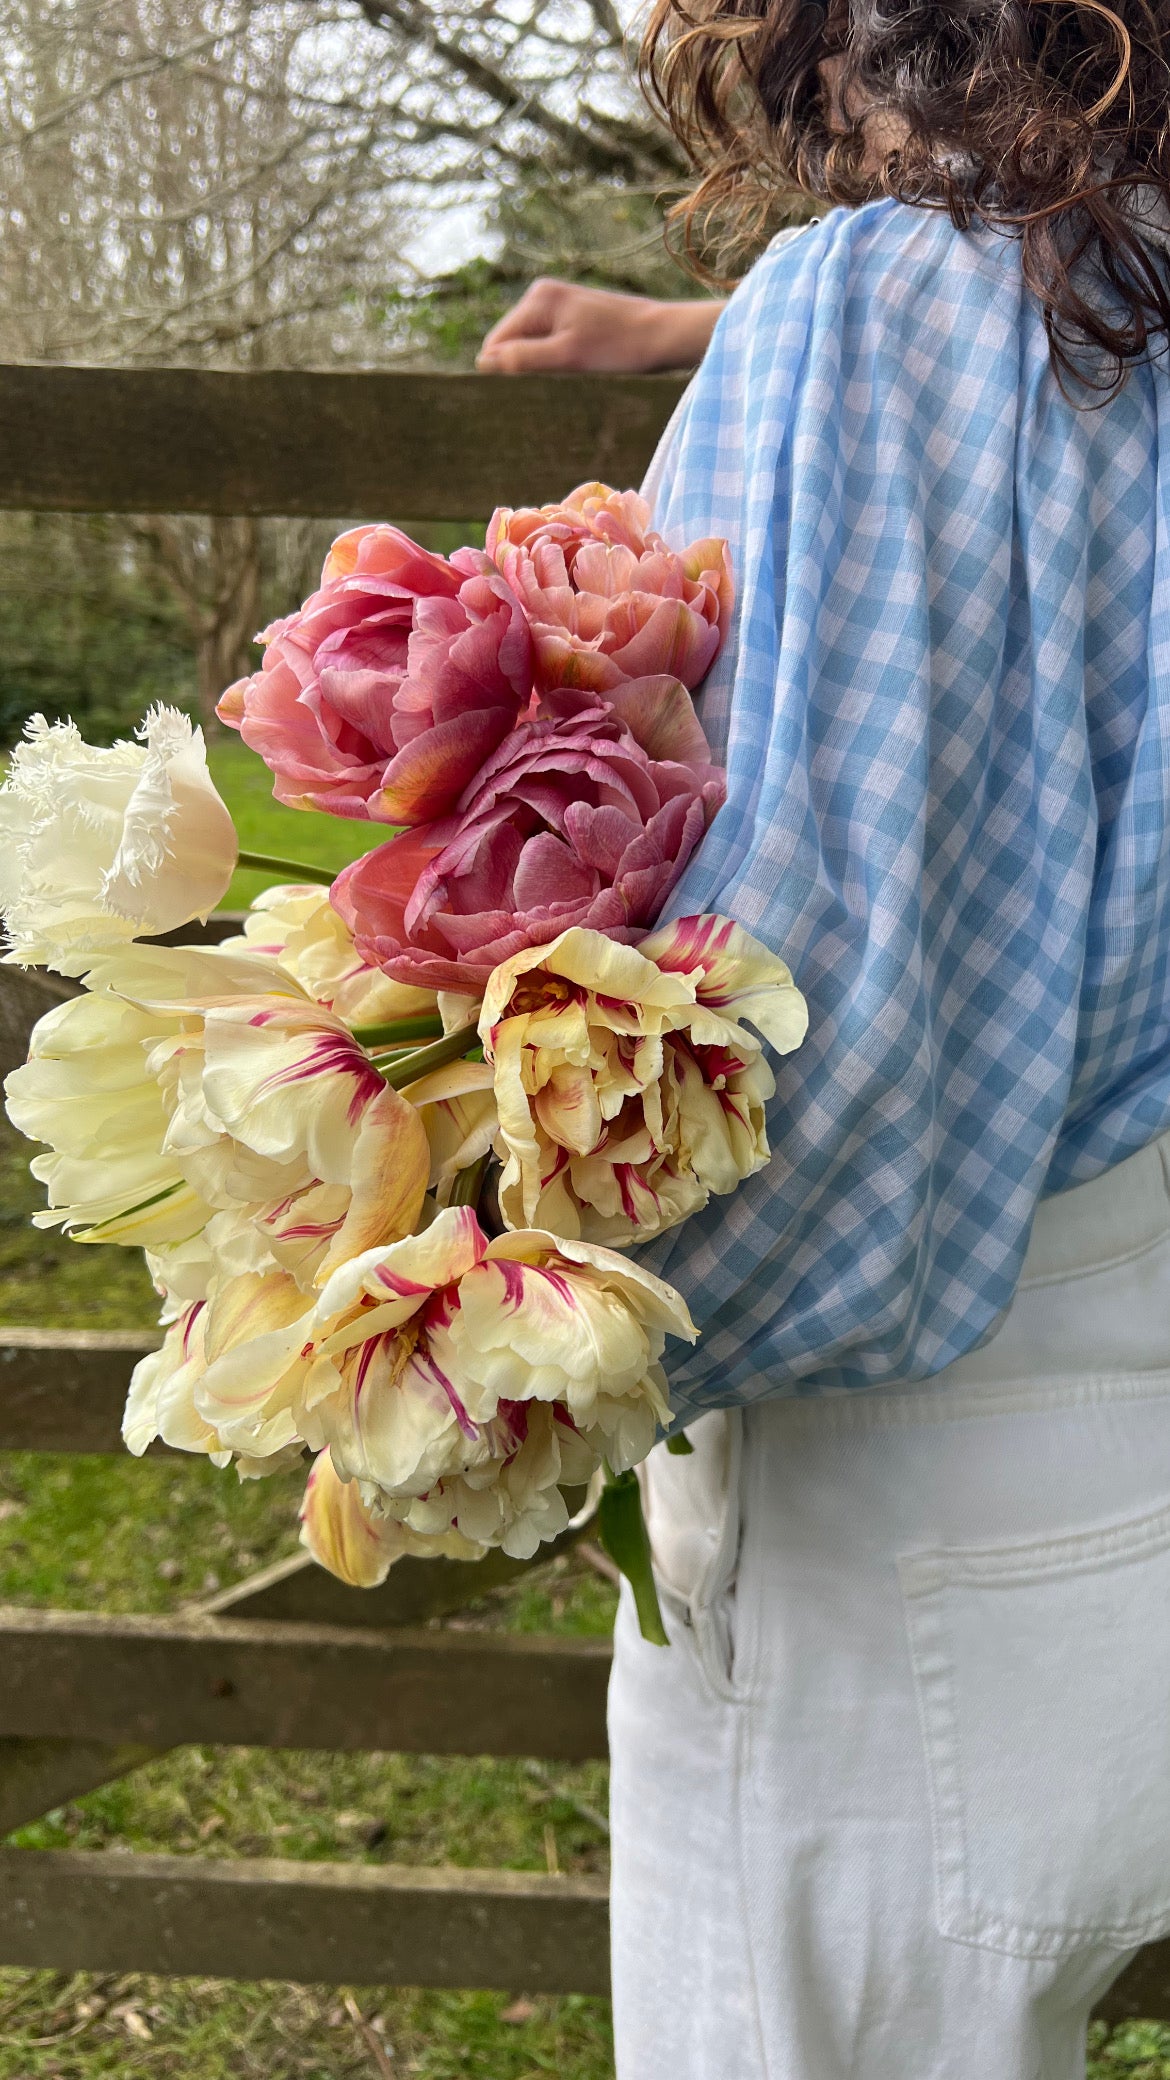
<point>563,326</point>
<point>534,317</point>
<point>521,357</point>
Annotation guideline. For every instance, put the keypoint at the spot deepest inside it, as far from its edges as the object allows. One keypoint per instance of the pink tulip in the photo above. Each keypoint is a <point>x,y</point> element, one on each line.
<point>571,822</point>
<point>607,599</point>
<point>384,694</point>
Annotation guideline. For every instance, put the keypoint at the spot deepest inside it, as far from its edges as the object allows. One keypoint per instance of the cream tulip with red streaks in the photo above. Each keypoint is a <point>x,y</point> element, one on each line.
<point>628,1086</point>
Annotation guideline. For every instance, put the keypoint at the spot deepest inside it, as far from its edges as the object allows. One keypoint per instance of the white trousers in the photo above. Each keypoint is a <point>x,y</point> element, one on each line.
<point>895,1803</point>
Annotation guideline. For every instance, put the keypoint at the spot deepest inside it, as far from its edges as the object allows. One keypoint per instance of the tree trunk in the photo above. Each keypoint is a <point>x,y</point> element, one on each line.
<point>225,642</point>
<point>213,569</point>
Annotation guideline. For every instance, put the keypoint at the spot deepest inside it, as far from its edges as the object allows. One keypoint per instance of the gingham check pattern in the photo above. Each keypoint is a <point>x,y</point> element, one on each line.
<point>945,715</point>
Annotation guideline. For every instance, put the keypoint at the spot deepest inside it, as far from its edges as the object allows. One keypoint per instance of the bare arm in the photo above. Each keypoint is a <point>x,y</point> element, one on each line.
<point>559,326</point>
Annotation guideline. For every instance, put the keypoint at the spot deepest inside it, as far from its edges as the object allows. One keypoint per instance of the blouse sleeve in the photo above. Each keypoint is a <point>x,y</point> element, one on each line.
<point>942,742</point>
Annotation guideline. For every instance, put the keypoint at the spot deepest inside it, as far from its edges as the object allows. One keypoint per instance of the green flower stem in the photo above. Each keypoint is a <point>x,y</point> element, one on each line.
<point>622,1530</point>
<point>287,869</point>
<point>469,1184</point>
<point>406,1068</point>
<point>427,1026</point>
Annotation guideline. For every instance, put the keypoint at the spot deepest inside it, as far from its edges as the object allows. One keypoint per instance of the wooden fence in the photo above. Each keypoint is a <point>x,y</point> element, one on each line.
<point>292,1658</point>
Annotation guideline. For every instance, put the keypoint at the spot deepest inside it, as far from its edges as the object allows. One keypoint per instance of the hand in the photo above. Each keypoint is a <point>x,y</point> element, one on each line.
<point>559,326</point>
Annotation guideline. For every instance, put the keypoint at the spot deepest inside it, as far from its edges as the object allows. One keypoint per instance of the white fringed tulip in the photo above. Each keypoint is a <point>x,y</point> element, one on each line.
<point>102,846</point>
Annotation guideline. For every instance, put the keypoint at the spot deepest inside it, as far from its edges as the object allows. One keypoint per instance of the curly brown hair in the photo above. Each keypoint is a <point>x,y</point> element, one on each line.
<point>1047,118</point>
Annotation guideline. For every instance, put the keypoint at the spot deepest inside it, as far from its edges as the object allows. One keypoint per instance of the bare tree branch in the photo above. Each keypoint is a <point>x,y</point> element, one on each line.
<point>68,110</point>
<point>578,145</point>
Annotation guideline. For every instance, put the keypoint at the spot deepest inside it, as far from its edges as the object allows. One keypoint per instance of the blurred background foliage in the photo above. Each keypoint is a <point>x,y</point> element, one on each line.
<point>83,629</point>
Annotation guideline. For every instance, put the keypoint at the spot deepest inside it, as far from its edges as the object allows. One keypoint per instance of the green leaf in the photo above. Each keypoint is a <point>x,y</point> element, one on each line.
<point>622,1530</point>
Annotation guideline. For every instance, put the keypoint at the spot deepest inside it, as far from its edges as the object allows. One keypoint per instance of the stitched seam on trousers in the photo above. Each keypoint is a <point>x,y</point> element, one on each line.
<point>933,1678</point>
<point>1021,1562</point>
<point>1018,1939</point>
<point>742,1763</point>
<point>959,1920</point>
<point>1103,1189</point>
<point>748,1615</point>
<point>719,1572</point>
<point>859,1408</point>
<point>1069,1274</point>
<point>721,1579</point>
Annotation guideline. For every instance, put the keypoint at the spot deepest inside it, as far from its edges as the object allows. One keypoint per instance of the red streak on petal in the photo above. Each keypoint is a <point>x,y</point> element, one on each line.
<point>189,1320</point>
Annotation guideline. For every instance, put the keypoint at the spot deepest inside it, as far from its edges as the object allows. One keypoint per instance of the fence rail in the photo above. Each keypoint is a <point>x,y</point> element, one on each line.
<point>247,1682</point>
<point>417,447</point>
<point>291,1656</point>
<point>315,1922</point>
<point>63,1390</point>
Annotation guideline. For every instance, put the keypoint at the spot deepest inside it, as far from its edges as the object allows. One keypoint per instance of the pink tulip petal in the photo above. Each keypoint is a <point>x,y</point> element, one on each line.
<point>362,702</point>
<point>673,638</point>
<point>586,806</point>
<point>386,552</point>
<point>563,662</point>
<point>500,876</point>
<point>600,836</point>
<point>485,885</point>
<point>549,873</point>
<point>419,781</point>
<point>660,715</point>
<point>473,934</point>
<point>373,886</point>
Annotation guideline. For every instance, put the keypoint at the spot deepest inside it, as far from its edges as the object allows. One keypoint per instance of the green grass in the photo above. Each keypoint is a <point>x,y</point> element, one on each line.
<point>205,2029</point>
<point>1136,2051</point>
<point>111,1534</point>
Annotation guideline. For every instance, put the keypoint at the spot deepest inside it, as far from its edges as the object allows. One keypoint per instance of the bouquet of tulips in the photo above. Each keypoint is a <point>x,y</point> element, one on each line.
<point>389,1151</point>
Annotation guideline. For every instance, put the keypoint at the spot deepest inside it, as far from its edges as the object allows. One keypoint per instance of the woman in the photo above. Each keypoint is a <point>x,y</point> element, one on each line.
<point>895,1805</point>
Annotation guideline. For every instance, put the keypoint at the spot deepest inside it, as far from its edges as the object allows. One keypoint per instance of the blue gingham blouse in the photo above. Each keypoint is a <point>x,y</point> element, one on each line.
<point>945,713</point>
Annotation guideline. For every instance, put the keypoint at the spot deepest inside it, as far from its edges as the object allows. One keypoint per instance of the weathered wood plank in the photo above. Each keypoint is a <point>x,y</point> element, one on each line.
<point>313,1922</point>
<point>410,447</point>
<point>64,1390</point>
<point>35,1776</point>
<point>163,1682</point>
<point>414,1590</point>
<point>27,993</point>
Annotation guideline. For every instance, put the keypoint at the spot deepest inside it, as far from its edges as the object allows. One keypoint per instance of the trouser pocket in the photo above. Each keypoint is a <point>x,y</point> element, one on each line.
<point>1043,1678</point>
<point>693,1515</point>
